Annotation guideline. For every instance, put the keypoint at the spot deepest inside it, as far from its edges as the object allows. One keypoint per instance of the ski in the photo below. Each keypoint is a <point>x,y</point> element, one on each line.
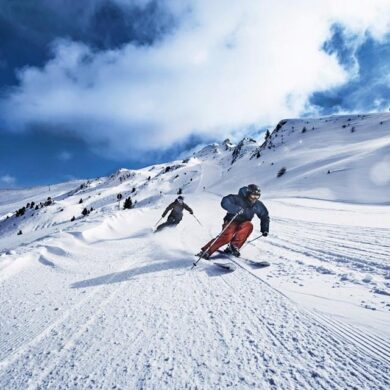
<point>256,263</point>
<point>223,264</point>
<point>253,263</point>
<point>227,266</point>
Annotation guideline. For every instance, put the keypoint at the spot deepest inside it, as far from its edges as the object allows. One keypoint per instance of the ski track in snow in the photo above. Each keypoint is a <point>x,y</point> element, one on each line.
<point>369,343</point>
<point>156,324</point>
<point>338,245</point>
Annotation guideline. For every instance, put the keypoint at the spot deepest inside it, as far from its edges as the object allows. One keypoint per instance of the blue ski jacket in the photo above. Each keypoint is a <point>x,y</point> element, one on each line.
<point>234,203</point>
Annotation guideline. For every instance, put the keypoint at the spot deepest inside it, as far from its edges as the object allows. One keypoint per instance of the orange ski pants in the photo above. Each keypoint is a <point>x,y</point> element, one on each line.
<point>236,234</point>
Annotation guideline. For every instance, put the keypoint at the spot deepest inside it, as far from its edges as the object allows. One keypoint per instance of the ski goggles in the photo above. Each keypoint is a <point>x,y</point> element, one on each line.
<point>254,197</point>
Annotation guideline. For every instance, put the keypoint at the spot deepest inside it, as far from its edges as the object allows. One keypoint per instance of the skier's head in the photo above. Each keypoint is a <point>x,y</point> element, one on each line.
<point>180,199</point>
<point>253,193</point>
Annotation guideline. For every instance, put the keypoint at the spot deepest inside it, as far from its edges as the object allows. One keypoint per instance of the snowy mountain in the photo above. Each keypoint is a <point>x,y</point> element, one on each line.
<point>343,158</point>
<point>98,301</point>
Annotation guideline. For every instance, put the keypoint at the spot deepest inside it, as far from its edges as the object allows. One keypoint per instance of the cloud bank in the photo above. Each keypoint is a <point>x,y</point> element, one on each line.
<point>223,68</point>
<point>28,28</point>
<point>368,62</point>
<point>7,180</point>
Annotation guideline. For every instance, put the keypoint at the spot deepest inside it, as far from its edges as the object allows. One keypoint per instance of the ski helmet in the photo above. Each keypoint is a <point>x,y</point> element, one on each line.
<point>180,198</point>
<point>253,189</point>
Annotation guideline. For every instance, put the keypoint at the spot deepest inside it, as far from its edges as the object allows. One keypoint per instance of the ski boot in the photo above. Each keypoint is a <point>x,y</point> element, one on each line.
<point>203,255</point>
<point>232,250</point>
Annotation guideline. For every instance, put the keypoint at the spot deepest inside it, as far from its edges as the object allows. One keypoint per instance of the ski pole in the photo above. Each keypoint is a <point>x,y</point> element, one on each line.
<point>219,235</point>
<point>158,221</point>
<point>197,220</point>
<point>254,239</point>
<point>250,242</point>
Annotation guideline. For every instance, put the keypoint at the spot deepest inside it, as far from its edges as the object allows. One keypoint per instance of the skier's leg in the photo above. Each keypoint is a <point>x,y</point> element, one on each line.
<point>243,231</point>
<point>225,237</point>
<point>172,221</point>
<point>169,222</point>
<point>162,226</point>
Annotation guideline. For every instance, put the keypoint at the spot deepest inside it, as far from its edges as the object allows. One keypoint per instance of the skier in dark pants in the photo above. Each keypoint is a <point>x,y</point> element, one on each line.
<point>176,214</point>
<point>246,204</point>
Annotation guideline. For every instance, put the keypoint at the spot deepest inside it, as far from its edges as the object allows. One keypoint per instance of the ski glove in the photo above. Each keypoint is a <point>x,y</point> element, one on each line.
<point>241,212</point>
<point>265,234</point>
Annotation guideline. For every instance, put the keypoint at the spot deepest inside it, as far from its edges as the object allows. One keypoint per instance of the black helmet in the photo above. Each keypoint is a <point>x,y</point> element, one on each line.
<point>180,198</point>
<point>253,189</point>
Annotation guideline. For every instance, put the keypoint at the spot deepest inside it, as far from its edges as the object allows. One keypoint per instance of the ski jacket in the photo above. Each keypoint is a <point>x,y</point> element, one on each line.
<point>234,203</point>
<point>177,210</point>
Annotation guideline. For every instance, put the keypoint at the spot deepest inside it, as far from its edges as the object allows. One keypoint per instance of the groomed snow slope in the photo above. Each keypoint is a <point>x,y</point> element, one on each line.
<point>116,305</point>
<point>102,302</point>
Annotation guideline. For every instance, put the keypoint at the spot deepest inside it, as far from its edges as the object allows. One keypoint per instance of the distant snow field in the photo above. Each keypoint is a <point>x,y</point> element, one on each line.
<point>101,302</point>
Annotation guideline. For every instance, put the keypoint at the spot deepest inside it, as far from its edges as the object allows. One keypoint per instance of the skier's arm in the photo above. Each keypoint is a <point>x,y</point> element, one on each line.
<point>167,209</point>
<point>229,204</point>
<point>262,213</point>
<point>188,208</point>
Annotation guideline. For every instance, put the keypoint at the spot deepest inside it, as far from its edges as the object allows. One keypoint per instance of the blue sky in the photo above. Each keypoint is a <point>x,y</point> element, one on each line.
<point>87,89</point>
<point>370,89</point>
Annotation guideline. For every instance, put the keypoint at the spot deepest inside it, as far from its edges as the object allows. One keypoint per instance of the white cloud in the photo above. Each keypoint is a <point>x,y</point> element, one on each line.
<point>224,68</point>
<point>8,180</point>
<point>65,156</point>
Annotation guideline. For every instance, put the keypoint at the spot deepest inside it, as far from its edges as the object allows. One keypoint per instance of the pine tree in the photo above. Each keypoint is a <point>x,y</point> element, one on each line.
<point>119,197</point>
<point>281,172</point>
<point>128,203</point>
<point>20,212</point>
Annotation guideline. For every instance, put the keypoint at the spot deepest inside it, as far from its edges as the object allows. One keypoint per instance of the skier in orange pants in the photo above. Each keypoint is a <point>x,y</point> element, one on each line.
<point>237,225</point>
<point>236,234</point>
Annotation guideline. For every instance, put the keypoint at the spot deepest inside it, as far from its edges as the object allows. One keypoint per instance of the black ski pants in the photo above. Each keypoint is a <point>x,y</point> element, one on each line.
<point>171,221</point>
